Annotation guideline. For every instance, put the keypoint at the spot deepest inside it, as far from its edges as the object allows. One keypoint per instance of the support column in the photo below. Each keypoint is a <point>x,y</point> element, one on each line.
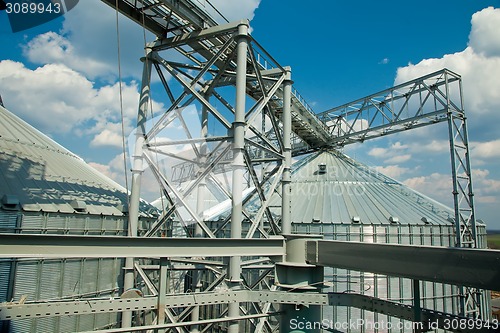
<point>238,168</point>
<point>295,276</point>
<point>286,204</point>
<point>137,169</point>
<point>200,206</point>
<point>162,292</point>
<point>417,307</point>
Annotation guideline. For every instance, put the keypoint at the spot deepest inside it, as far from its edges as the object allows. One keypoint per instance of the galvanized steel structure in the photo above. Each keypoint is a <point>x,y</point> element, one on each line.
<point>267,273</point>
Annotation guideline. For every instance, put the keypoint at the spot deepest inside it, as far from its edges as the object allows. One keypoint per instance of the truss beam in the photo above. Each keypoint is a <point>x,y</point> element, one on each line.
<point>420,102</point>
<point>402,311</point>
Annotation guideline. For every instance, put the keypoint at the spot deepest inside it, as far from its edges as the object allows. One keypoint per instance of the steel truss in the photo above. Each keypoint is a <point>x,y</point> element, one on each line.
<point>221,71</point>
<point>428,100</point>
<point>215,59</point>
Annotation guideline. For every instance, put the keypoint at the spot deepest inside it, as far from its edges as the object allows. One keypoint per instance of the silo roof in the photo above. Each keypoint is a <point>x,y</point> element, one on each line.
<point>44,176</point>
<point>330,187</point>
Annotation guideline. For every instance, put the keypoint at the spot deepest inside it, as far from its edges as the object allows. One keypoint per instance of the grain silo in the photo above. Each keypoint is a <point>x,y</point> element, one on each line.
<point>342,199</point>
<point>46,189</point>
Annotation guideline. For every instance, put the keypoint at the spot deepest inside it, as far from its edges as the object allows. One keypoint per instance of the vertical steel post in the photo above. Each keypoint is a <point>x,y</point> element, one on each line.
<point>162,291</point>
<point>296,276</point>
<point>137,169</point>
<point>238,167</point>
<point>286,204</point>
<point>417,307</point>
<point>200,206</point>
<point>463,197</point>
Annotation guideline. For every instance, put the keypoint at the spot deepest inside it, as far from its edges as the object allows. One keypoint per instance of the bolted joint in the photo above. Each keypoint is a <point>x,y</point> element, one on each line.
<point>288,75</point>
<point>243,28</point>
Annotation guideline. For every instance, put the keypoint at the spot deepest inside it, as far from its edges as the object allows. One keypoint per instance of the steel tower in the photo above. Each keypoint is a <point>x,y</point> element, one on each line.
<point>248,271</point>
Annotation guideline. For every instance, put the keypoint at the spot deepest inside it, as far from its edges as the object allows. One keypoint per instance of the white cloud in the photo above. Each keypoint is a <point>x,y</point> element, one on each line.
<point>232,10</point>
<point>51,47</point>
<point>393,171</point>
<point>88,43</point>
<point>398,159</point>
<point>485,26</point>
<point>378,152</point>
<point>437,186</point>
<point>488,149</point>
<point>107,138</point>
<point>479,66</point>
<point>53,97</point>
<point>384,61</point>
<point>57,99</point>
<point>394,154</point>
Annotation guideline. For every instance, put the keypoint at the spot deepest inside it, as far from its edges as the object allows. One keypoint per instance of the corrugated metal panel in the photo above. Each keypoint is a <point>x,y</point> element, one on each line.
<point>46,178</point>
<point>8,221</point>
<point>23,325</point>
<point>26,280</point>
<point>33,222</point>
<point>5,268</point>
<point>89,274</point>
<point>71,279</point>
<point>106,274</point>
<point>46,325</point>
<point>435,296</point>
<point>86,323</point>
<point>68,324</point>
<point>50,280</point>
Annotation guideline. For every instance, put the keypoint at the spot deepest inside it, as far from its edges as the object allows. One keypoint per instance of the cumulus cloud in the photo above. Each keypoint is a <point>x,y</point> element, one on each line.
<point>92,49</point>
<point>394,154</point>
<point>87,42</point>
<point>393,171</point>
<point>107,138</point>
<point>486,150</point>
<point>484,32</point>
<point>479,66</point>
<point>232,10</point>
<point>51,47</point>
<point>398,159</point>
<point>53,97</point>
<point>436,185</point>
<point>57,100</point>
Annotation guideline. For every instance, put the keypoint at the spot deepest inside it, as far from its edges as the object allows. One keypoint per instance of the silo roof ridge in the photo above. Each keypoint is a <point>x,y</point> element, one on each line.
<point>45,176</point>
<point>346,188</point>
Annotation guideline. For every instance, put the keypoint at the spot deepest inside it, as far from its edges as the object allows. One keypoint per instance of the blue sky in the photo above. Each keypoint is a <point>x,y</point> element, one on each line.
<point>62,77</point>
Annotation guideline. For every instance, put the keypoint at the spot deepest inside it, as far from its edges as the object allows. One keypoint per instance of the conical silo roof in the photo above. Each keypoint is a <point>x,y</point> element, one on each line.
<point>42,175</point>
<point>330,187</point>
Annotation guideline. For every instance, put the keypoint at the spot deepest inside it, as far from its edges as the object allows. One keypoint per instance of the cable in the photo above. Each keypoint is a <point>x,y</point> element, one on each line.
<point>121,108</point>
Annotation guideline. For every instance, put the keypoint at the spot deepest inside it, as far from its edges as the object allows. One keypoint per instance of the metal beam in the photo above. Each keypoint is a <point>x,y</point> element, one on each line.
<point>420,102</point>
<point>9,311</point>
<point>429,319</point>
<point>458,266</point>
<point>55,246</point>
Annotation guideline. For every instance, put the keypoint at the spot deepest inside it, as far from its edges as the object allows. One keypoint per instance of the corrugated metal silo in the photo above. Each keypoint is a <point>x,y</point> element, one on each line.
<point>342,199</point>
<point>46,189</point>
